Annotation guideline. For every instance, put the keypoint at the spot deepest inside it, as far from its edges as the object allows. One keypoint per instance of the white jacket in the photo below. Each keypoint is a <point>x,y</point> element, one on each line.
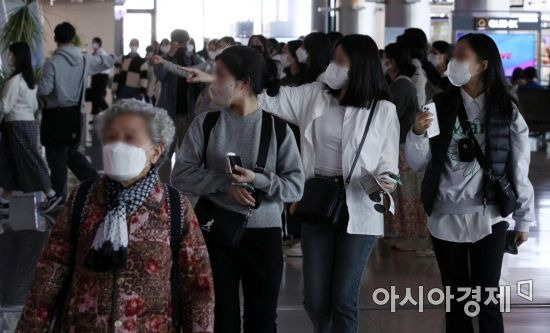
<point>302,105</point>
<point>18,102</point>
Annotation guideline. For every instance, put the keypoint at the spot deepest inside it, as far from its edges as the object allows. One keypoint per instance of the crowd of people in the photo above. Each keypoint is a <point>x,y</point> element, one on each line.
<point>326,129</point>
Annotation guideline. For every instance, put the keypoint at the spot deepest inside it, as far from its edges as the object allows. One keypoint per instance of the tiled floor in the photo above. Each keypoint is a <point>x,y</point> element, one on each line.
<point>20,246</point>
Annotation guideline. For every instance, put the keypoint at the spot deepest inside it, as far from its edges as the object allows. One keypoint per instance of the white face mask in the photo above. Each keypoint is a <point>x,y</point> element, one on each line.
<point>286,60</point>
<point>302,55</point>
<point>122,161</point>
<point>95,46</point>
<point>458,72</point>
<point>190,48</point>
<point>222,93</point>
<point>212,55</point>
<point>134,49</point>
<point>435,59</point>
<point>165,49</point>
<point>336,76</point>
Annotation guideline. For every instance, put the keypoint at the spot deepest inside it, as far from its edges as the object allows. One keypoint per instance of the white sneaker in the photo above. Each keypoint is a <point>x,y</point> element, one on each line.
<point>294,251</point>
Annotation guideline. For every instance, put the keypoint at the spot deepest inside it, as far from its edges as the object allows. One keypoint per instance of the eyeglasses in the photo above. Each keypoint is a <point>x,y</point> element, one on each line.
<point>382,201</point>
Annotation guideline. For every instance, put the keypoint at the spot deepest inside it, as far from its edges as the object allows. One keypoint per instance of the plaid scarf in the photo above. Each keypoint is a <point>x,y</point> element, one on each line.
<point>110,246</point>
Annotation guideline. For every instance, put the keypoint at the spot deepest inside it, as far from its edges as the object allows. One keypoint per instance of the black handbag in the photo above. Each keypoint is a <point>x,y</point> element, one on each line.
<point>324,198</point>
<point>505,195</point>
<point>62,125</point>
<point>221,226</point>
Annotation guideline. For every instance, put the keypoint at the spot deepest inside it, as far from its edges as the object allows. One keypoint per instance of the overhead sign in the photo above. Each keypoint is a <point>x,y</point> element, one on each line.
<point>493,23</point>
<point>504,23</point>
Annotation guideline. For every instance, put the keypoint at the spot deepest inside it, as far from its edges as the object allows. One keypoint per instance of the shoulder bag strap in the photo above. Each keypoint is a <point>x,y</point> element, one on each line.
<point>371,114</point>
<point>478,152</point>
<point>265,140</point>
<point>176,221</point>
<point>83,82</point>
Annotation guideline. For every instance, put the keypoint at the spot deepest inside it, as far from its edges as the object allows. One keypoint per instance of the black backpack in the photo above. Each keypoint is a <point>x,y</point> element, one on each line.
<point>174,201</point>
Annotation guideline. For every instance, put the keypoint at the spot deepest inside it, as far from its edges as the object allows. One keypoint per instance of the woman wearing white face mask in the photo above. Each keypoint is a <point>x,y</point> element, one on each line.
<point>249,197</point>
<point>127,245</point>
<point>294,70</point>
<point>482,134</point>
<point>332,119</point>
<point>439,55</point>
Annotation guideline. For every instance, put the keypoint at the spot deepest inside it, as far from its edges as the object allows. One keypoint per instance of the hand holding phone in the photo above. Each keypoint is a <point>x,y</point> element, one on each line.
<point>232,161</point>
<point>433,130</point>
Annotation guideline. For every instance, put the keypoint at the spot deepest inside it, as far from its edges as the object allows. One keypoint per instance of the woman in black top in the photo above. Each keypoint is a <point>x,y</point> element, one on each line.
<point>294,70</point>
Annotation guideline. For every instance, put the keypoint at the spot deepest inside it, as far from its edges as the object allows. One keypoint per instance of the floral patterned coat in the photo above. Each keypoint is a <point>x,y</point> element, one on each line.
<point>134,299</point>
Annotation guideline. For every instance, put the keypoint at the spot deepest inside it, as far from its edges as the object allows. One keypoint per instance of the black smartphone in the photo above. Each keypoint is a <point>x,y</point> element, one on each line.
<point>233,160</point>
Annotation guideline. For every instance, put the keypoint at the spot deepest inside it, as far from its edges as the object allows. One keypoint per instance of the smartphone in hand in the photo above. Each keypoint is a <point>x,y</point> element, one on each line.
<point>433,130</point>
<point>233,160</point>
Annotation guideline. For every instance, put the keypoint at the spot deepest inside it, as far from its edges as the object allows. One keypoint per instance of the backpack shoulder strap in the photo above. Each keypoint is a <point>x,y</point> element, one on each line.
<point>265,140</point>
<point>208,124</point>
<point>280,130</point>
<point>78,207</point>
<point>76,212</point>
<point>176,221</point>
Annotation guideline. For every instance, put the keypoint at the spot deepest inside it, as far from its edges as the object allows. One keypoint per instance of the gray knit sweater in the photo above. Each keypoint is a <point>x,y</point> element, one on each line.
<point>282,180</point>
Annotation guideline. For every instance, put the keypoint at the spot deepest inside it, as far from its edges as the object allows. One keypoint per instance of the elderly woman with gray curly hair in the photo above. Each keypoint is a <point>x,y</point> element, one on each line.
<point>126,254</point>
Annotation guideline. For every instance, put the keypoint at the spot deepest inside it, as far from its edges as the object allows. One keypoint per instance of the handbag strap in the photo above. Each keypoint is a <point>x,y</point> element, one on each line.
<point>371,113</point>
<point>83,87</point>
<point>478,152</point>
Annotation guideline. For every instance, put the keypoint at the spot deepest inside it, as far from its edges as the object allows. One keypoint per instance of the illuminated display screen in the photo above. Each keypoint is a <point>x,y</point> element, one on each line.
<point>516,50</point>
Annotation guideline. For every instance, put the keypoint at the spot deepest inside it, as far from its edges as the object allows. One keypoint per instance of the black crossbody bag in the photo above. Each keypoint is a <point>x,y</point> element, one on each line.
<point>505,195</point>
<point>324,199</point>
<point>225,227</point>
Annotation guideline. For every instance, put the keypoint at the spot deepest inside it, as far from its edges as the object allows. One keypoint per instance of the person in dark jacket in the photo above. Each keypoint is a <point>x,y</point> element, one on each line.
<point>130,80</point>
<point>294,70</point>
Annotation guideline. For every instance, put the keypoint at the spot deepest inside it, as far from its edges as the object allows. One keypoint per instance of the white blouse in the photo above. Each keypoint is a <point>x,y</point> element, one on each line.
<point>327,140</point>
<point>304,104</point>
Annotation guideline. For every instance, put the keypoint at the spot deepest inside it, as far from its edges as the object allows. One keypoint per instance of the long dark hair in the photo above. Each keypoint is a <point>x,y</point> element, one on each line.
<point>402,58</point>
<point>495,85</point>
<point>417,41</point>
<point>366,78</point>
<point>319,50</point>
<point>292,47</point>
<point>23,62</point>
<point>266,53</point>
<point>247,64</point>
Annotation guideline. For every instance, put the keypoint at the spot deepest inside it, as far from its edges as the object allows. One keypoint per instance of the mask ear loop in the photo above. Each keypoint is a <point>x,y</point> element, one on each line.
<point>146,149</point>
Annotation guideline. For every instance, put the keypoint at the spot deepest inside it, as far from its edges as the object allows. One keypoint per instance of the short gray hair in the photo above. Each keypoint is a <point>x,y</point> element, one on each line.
<point>161,126</point>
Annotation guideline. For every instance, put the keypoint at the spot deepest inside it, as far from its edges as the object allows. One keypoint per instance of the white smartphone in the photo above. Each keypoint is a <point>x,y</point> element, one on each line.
<point>433,130</point>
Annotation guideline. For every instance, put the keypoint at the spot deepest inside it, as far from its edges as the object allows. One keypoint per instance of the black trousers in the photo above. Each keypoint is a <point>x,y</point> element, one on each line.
<point>472,265</point>
<point>98,91</point>
<point>258,263</point>
<point>60,157</point>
